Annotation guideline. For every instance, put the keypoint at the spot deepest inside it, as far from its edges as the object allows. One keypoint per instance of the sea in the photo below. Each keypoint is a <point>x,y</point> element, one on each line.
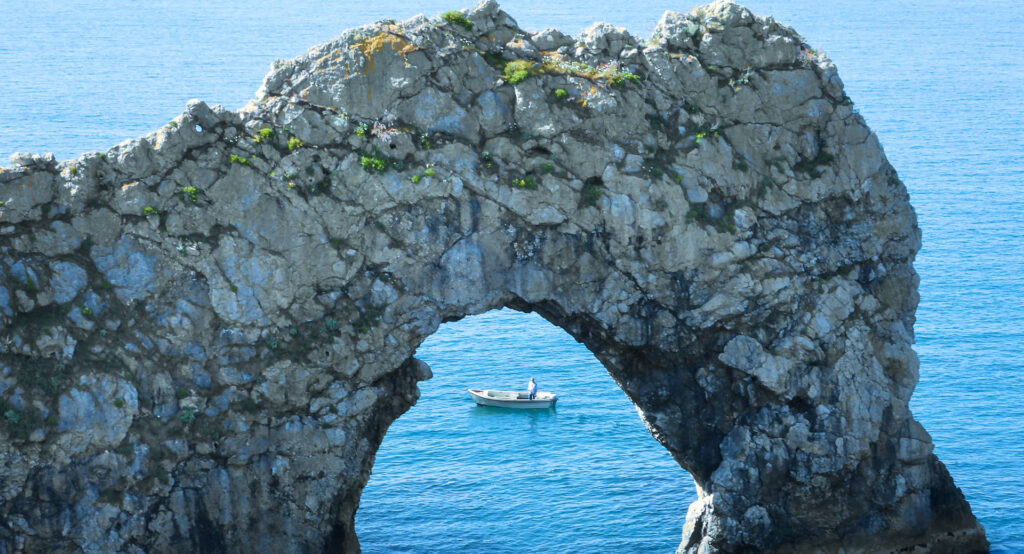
<point>940,81</point>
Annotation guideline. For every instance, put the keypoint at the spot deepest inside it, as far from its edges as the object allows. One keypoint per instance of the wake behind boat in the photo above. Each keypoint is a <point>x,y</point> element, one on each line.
<point>512,399</point>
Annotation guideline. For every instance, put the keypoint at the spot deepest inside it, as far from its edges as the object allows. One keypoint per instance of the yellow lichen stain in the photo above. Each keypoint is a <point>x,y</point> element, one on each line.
<point>371,46</point>
<point>127,186</point>
<point>587,94</point>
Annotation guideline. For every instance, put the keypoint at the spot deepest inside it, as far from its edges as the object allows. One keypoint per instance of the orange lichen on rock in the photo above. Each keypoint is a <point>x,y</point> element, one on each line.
<point>375,44</point>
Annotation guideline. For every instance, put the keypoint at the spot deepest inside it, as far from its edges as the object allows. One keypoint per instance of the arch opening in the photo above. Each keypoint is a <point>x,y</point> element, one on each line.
<point>475,478</point>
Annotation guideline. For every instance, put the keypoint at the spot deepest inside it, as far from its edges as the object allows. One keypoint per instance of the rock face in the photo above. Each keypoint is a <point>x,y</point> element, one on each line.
<point>206,332</point>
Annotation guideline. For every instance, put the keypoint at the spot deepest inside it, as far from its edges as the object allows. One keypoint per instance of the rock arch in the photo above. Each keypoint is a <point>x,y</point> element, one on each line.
<point>207,331</point>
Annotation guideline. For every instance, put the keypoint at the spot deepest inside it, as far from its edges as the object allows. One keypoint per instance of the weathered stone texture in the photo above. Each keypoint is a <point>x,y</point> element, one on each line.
<point>205,332</point>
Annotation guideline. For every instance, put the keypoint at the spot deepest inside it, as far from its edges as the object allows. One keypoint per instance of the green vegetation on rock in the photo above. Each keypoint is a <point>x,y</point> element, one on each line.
<point>373,163</point>
<point>264,135</point>
<point>190,192</point>
<point>516,71</point>
<point>524,183</point>
<point>457,18</point>
<point>591,194</point>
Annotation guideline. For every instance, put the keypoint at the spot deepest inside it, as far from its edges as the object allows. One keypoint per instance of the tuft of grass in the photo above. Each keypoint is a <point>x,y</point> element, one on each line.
<point>622,78</point>
<point>366,320</point>
<point>191,193</point>
<point>149,210</point>
<point>294,143</point>
<point>524,183</point>
<point>373,163</point>
<point>516,71</point>
<point>701,135</point>
<point>182,392</point>
<point>187,416</point>
<point>264,135</point>
<point>234,288</point>
<point>591,194</point>
<point>560,93</point>
<point>118,403</point>
<point>457,18</point>
<point>361,130</point>
<point>547,167</point>
<point>87,312</point>
<point>810,166</point>
<point>429,172</point>
<point>73,169</point>
<point>415,178</point>
<point>240,160</point>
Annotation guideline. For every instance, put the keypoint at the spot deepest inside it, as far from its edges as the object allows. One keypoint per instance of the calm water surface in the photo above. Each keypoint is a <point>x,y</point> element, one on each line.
<point>939,81</point>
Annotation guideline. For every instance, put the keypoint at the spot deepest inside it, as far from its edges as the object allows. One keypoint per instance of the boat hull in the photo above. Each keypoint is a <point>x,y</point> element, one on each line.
<point>512,399</point>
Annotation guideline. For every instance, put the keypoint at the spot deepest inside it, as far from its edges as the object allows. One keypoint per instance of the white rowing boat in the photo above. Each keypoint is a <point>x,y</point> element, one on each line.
<point>512,399</point>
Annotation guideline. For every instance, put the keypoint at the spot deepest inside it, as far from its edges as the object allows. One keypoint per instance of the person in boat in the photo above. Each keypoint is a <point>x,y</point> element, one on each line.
<point>531,389</point>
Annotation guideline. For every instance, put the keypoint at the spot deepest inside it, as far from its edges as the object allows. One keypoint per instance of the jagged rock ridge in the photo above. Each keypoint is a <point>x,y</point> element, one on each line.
<point>204,333</point>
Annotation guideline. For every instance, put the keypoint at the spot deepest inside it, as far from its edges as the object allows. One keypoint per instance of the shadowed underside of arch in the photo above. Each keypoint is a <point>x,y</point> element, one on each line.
<point>206,332</point>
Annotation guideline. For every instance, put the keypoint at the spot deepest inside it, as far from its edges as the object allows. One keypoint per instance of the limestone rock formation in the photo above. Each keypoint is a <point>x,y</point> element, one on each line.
<point>205,332</point>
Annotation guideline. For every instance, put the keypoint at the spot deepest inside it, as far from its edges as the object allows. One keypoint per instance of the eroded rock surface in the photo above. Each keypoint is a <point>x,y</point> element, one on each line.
<point>205,332</point>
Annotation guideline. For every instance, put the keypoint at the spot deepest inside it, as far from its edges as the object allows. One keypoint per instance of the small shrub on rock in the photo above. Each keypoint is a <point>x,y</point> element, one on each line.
<point>191,193</point>
<point>516,71</point>
<point>373,163</point>
<point>524,183</point>
<point>621,78</point>
<point>457,18</point>
<point>591,194</point>
<point>264,135</point>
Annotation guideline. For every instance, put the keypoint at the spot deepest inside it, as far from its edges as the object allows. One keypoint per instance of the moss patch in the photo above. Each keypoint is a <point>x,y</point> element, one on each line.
<point>516,71</point>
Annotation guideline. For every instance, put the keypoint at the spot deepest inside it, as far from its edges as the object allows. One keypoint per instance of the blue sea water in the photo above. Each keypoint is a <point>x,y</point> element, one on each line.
<point>939,81</point>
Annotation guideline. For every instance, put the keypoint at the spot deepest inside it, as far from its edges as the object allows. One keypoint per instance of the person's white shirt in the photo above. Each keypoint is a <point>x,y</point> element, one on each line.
<point>531,388</point>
